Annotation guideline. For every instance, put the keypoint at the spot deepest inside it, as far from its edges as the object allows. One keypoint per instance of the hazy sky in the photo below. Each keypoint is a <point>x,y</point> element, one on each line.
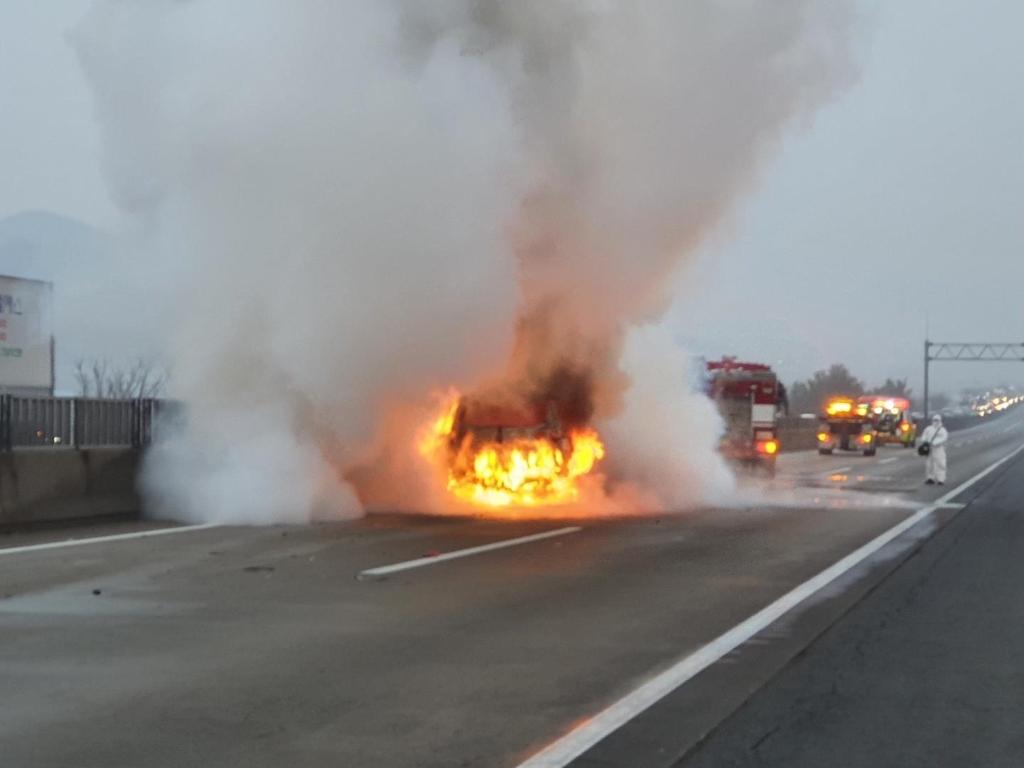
<point>904,196</point>
<point>48,143</point>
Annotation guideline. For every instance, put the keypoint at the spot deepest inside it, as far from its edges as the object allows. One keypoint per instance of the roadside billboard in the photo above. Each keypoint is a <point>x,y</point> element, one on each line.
<point>26,336</point>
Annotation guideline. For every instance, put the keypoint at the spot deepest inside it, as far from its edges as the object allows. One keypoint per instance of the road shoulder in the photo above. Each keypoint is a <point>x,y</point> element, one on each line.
<point>926,670</point>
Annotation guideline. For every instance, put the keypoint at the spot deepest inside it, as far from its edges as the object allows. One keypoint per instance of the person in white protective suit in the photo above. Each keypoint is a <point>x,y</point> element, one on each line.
<point>935,466</point>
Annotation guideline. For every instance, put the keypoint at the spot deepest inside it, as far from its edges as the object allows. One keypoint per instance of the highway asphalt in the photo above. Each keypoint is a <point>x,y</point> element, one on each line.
<point>928,670</point>
<point>266,647</point>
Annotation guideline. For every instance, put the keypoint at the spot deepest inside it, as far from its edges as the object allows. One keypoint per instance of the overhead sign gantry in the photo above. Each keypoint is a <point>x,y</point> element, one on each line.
<point>982,352</point>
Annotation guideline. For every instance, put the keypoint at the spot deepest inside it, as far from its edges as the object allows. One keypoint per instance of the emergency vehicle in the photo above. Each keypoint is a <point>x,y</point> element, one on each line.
<point>893,420</point>
<point>847,424</point>
<point>747,396</point>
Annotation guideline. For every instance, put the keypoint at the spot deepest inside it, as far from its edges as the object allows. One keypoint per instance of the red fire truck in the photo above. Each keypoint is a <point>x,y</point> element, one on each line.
<point>747,396</point>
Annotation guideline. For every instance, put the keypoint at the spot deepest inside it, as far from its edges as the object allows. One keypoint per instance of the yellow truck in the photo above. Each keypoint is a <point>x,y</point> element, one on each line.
<point>862,424</point>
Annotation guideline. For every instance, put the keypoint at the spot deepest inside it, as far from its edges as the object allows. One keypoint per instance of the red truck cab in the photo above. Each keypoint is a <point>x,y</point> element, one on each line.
<point>747,396</point>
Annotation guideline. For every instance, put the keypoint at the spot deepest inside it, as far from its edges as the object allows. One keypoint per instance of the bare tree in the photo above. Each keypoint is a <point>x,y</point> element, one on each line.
<point>139,377</point>
<point>895,388</point>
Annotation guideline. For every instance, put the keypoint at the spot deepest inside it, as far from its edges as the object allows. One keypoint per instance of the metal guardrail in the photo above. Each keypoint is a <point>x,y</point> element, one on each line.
<point>36,422</point>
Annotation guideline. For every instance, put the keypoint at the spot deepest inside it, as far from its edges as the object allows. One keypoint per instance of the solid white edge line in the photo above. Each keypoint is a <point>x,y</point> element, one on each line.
<point>102,539</point>
<point>384,570</point>
<point>566,749</point>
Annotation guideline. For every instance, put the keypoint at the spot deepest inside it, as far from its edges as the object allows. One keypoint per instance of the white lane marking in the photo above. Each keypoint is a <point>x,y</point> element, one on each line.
<point>951,505</point>
<point>562,752</point>
<point>384,570</point>
<point>840,471</point>
<point>102,539</point>
<point>890,460</point>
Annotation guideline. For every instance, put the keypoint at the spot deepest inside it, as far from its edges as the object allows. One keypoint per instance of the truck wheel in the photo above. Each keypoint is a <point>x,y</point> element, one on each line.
<point>825,451</point>
<point>870,452</point>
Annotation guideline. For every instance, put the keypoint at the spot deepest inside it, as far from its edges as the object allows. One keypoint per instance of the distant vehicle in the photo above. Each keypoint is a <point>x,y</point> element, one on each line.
<point>847,424</point>
<point>748,398</point>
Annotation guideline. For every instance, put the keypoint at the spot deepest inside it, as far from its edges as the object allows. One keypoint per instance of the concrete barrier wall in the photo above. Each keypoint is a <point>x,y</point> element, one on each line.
<point>48,484</point>
<point>798,438</point>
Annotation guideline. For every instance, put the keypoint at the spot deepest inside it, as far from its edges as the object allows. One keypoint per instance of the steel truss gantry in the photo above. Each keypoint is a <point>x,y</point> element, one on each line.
<point>980,352</point>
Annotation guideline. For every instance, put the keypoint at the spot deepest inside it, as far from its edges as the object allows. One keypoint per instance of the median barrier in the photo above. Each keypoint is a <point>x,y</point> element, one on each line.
<point>798,438</point>
<point>966,421</point>
<point>49,484</point>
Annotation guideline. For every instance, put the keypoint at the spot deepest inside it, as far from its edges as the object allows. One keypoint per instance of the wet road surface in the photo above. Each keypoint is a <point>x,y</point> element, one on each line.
<point>264,646</point>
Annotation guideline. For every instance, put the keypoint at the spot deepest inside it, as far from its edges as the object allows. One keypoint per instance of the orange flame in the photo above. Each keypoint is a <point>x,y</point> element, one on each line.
<point>519,472</point>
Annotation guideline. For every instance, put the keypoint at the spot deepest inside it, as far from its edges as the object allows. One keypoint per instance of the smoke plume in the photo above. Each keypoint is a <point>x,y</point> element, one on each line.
<point>344,208</point>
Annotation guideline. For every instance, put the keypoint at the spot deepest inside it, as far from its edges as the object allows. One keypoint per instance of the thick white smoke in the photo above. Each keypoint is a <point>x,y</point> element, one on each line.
<point>344,207</point>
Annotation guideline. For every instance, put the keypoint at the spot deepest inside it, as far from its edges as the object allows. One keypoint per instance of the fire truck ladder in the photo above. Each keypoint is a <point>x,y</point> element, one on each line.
<point>967,353</point>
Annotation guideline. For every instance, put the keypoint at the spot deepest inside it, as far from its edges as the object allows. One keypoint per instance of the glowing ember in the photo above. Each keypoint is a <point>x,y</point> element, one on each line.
<point>510,457</point>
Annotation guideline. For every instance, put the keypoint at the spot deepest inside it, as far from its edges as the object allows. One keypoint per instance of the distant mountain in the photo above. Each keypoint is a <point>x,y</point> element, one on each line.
<point>43,245</point>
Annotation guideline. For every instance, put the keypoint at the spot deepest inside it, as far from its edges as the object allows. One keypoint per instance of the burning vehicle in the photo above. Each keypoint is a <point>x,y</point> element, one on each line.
<point>507,452</point>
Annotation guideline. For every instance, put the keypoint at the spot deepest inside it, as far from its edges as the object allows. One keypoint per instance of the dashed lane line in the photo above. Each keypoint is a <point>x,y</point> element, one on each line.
<point>384,570</point>
<point>104,539</point>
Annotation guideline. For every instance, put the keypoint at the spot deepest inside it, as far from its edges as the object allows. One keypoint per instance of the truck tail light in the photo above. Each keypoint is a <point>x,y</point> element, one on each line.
<point>823,437</point>
<point>769,447</point>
